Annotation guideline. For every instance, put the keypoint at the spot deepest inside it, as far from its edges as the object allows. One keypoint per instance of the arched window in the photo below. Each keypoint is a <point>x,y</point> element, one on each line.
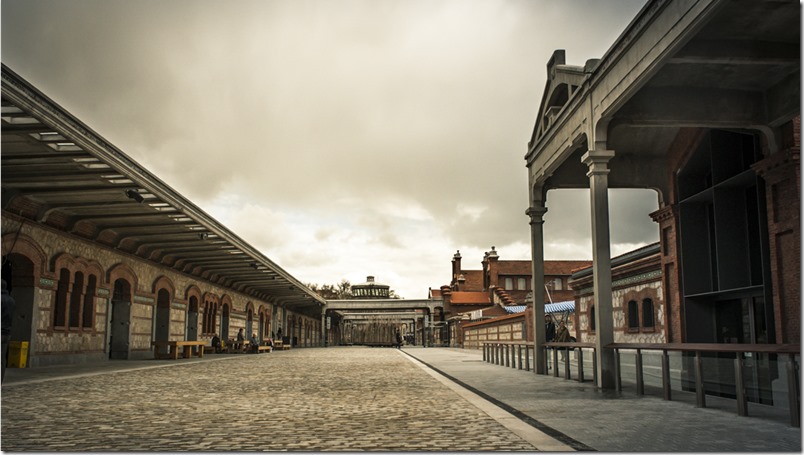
<point>75,300</point>
<point>633,316</point>
<point>60,309</point>
<point>88,312</point>
<point>647,314</point>
<point>592,323</point>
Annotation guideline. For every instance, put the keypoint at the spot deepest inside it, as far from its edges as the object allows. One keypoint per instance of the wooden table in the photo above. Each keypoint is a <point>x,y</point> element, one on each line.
<point>173,349</point>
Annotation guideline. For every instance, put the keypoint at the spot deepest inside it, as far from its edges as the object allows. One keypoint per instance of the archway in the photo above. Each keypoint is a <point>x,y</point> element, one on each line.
<point>18,273</point>
<point>192,319</point>
<point>120,320</point>
<point>249,323</point>
<point>162,320</point>
<point>225,322</point>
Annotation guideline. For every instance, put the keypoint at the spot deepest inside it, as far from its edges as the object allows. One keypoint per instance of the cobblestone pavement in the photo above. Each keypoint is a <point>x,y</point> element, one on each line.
<point>342,399</point>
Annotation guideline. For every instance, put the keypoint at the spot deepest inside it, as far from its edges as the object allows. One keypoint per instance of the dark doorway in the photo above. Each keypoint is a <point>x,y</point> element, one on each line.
<point>120,321</point>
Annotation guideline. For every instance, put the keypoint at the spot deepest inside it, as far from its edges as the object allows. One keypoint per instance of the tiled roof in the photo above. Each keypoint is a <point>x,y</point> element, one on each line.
<point>469,298</point>
<point>514,268</point>
<point>564,267</point>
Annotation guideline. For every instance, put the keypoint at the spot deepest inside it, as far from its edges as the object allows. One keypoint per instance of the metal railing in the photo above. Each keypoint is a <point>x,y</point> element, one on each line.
<point>519,354</point>
<point>787,351</point>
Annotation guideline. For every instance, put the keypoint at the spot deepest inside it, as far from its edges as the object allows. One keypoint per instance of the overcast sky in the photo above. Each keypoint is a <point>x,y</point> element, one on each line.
<point>342,138</point>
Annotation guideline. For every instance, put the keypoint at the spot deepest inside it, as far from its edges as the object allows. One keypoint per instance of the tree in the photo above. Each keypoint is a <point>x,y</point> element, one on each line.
<point>340,291</point>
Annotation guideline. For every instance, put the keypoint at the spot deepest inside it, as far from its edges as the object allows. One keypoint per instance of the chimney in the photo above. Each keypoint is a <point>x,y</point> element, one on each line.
<point>456,267</point>
<point>494,272</point>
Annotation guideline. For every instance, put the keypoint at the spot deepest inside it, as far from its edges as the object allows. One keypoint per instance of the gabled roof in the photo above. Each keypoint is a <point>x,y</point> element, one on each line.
<point>562,83</point>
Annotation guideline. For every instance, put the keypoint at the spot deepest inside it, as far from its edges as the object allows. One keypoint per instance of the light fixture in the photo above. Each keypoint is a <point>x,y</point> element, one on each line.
<point>132,194</point>
<point>203,236</point>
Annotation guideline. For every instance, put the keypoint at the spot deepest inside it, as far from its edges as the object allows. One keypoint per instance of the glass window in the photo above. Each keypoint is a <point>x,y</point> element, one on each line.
<point>521,284</point>
<point>509,283</point>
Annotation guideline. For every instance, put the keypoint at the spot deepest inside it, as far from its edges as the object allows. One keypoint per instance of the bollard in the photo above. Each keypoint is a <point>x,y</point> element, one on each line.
<point>618,378</point>
<point>519,355</point>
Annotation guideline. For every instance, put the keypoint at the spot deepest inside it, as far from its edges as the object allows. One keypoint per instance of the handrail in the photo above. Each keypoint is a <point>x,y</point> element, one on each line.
<point>787,350</point>
<point>712,347</point>
<point>501,353</point>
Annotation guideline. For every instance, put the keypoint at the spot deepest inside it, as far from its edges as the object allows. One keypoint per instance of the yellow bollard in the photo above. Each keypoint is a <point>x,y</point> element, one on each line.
<point>17,354</point>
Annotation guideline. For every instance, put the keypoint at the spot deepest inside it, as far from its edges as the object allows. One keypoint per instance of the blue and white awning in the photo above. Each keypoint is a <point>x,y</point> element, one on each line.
<point>560,307</point>
<point>513,309</point>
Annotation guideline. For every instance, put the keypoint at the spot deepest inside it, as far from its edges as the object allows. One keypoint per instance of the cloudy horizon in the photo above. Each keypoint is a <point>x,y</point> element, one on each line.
<point>340,138</point>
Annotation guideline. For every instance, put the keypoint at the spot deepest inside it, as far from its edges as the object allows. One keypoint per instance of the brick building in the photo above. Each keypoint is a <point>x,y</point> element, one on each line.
<point>474,295</point>
<point>103,258</point>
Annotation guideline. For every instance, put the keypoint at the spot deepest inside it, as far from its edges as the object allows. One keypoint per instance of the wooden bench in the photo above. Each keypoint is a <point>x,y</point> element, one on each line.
<point>263,349</point>
<point>173,349</point>
<point>281,346</point>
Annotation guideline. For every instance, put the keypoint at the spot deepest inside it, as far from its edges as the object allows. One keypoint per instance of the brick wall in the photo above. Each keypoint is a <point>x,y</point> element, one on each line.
<point>47,249</point>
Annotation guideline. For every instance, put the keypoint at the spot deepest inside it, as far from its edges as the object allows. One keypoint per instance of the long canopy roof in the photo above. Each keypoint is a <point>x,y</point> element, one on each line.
<point>57,172</point>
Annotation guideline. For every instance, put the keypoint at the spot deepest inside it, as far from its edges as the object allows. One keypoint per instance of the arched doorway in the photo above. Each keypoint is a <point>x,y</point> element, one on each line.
<point>225,322</point>
<point>162,320</point>
<point>192,319</point>
<point>18,273</point>
<point>120,321</point>
<point>249,323</point>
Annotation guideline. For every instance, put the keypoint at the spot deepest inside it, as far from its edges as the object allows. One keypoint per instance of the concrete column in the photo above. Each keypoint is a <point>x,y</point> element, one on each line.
<point>536,214</point>
<point>597,161</point>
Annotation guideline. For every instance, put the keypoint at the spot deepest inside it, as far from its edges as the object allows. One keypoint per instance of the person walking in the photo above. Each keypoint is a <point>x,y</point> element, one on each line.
<point>562,336</point>
<point>398,340</point>
<point>549,328</point>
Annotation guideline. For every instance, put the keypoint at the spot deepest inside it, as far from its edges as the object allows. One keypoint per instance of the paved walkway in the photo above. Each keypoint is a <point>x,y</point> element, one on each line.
<point>352,399</point>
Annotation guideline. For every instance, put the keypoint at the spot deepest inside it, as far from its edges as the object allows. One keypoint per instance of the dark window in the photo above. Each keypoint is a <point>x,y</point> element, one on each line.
<point>633,315</point>
<point>60,310</point>
<point>647,313</point>
<point>88,312</point>
<point>75,300</point>
<point>592,324</point>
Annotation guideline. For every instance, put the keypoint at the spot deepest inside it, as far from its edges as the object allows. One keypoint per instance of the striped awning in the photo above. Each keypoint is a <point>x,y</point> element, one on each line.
<point>557,307</point>
<point>560,307</point>
<point>515,309</point>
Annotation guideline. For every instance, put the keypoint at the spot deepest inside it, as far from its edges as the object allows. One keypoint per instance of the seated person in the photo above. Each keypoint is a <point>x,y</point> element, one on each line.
<point>216,343</point>
<point>255,343</point>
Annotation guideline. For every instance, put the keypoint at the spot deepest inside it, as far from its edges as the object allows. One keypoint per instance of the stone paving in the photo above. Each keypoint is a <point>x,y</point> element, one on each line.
<point>334,399</point>
<point>624,422</point>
